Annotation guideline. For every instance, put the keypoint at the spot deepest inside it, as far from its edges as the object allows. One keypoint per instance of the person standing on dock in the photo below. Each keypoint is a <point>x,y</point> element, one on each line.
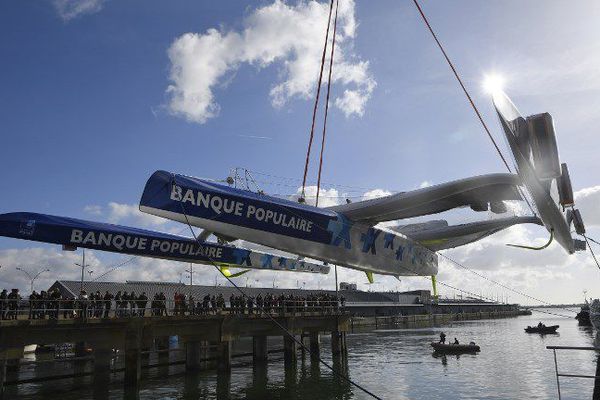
<point>3,303</point>
<point>107,303</point>
<point>83,304</point>
<point>442,337</point>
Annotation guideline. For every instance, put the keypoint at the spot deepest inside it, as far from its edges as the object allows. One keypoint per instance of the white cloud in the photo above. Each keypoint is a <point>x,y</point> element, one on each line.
<point>125,213</point>
<point>70,9</point>
<point>61,265</point>
<point>290,36</point>
<point>93,209</point>
<point>333,197</point>
<point>327,197</point>
<point>375,193</point>
<point>119,212</point>
<point>588,202</point>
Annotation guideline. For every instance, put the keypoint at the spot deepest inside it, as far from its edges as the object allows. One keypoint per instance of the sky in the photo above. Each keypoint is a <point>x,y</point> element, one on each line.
<point>98,94</point>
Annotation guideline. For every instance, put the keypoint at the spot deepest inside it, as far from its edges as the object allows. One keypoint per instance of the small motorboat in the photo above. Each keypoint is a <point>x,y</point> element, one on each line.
<point>542,329</point>
<point>451,348</point>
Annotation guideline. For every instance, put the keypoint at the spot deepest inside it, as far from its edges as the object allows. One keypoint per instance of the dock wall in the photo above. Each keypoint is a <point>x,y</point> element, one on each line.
<point>428,320</point>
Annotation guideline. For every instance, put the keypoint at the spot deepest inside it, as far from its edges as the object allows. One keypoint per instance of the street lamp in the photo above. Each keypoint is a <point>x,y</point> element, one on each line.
<point>83,266</point>
<point>34,277</point>
<point>191,274</point>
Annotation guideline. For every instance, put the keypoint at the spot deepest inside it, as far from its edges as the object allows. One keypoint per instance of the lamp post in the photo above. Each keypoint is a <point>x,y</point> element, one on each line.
<point>34,277</point>
<point>191,273</point>
<point>83,266</point>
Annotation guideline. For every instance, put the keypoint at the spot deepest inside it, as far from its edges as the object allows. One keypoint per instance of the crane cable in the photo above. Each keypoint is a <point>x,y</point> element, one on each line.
<point>498,283</point>
<point>462,85</point>
<point>327,102</point>
<point>455,72</point>
<point>279,325</point>
<point>587,240</point>
<point>312,128</point>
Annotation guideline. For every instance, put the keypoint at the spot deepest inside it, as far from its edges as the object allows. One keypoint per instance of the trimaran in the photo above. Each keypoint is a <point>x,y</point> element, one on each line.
<point>347,235</point>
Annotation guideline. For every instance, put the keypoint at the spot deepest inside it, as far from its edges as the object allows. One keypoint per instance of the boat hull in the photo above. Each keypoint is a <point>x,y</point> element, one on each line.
<point>449,348</point>
<point>544,330</point>
<point>72,233</point>
<point>285,225</point>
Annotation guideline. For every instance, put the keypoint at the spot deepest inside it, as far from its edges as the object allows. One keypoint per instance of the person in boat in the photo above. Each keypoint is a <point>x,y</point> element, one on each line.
<point>540,325</point>
<point>456,341</point>
<point>442,338</point>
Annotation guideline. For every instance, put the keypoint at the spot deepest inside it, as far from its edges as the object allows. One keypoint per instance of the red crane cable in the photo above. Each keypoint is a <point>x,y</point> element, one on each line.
<point>462,85</point>
<point>327,103</point>
<point>312,129</point>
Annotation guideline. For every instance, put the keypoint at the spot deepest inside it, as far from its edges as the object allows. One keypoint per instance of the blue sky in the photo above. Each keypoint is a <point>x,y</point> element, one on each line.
<point>87,115</point>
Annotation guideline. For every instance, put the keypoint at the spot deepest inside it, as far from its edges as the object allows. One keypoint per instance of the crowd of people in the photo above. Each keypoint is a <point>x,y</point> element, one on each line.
<point>52,303</point>
<point>9,304</point>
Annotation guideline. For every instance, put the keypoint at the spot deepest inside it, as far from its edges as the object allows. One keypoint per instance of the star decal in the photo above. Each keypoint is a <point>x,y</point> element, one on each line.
<point>368,240</point>
<point>242,256</point>
<point>340,231</point>
<point>389,240</point>
<point>400,253</point>
<point>267,260</point>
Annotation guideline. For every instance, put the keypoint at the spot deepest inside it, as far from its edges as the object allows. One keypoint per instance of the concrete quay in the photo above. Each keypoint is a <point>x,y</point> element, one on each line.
<point>207,341</point>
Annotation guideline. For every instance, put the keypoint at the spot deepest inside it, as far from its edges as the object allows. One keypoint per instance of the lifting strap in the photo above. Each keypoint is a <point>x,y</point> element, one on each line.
<point>312,128</point>
<point>327,103</point>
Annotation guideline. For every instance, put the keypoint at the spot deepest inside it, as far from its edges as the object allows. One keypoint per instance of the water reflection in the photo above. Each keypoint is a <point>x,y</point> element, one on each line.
<point>223,386</point>
<point>395,364</point>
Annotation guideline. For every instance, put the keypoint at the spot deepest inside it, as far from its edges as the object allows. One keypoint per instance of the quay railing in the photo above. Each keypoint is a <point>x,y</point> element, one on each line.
<point>596,377</point>
<point>97,309</point>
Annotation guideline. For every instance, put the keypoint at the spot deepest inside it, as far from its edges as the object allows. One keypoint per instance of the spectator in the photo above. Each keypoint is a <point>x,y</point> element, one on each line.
<point>83,300</point>
<point>141,303</point>
<point>13,303</point>
<point>107,303</point>
<point>3,303</point>
<point>33,301</point>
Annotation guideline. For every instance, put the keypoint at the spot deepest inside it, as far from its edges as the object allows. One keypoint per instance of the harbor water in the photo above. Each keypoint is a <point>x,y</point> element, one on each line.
<point>392,363</point>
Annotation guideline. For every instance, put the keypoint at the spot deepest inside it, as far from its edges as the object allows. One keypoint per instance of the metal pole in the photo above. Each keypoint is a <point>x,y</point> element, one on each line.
<point>336,281</point>
<point>82,271</point>
<point>596,394</point>
<point>556,370</point>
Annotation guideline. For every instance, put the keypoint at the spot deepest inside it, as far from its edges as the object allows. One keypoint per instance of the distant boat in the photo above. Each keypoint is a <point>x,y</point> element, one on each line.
<point>450,348</point>
<point>583,316</point>
<point>595,314</point>
<point>542,329</point>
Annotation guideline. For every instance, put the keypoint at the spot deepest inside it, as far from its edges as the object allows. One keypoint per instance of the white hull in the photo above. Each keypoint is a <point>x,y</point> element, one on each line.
<point>417,260</point>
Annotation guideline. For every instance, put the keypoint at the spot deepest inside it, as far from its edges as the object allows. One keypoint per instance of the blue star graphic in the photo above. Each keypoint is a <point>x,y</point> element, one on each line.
<point>267,260</point>
<point>400,253</point>
<point>340,231</point>
<point>368,240</point>
<point>389,240</point>
<point>411,253</point>
<point>242,256</point>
